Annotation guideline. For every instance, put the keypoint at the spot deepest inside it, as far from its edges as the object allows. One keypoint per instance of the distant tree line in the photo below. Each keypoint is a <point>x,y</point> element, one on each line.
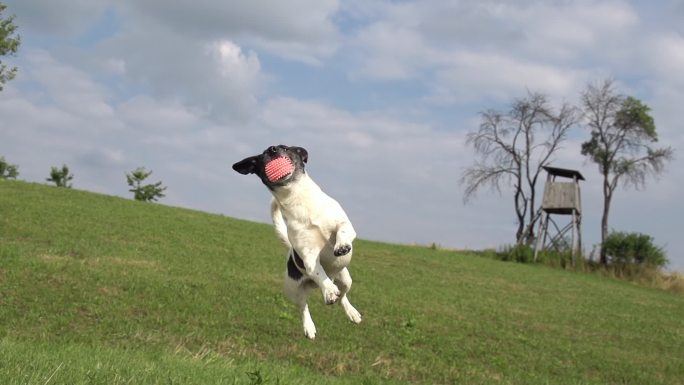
<point>62,177</point>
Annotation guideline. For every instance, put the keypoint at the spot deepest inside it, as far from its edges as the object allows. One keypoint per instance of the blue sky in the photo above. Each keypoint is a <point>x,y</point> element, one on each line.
<point>381,93</point>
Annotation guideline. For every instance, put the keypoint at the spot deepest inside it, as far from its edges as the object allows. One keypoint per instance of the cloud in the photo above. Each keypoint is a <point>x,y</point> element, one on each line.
<point>666,57</point>
<point>55,17</point>
<point>492,49</point>
<point>69,88</point>
<point>217,77</point>
<point>281,28</point>
<point>192,52</point>
<point>574,30</point>
<point>474,76</point>
<point>392,52</point>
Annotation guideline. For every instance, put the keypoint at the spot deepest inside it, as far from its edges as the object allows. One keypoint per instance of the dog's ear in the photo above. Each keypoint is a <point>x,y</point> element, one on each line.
<point>302,153</point>
<point>247,165</point>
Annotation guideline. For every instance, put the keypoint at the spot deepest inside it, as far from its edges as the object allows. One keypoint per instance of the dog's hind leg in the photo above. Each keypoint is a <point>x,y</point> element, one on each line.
<point>297,290</point>
<point>343,281</point>
<point>299,293</point>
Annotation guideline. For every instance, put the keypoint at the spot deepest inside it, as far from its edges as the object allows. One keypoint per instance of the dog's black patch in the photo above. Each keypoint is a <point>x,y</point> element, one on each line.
<point>292,270</point>
<point>298,260</point>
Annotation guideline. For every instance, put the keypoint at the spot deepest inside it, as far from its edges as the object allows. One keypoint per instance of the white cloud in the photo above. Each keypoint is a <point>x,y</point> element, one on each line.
<point>300,29</point>
<point>297,30</point>
<point>473,76</point>
<point>233,65</point>
<point>216,77</point>
<point>494,49</point>
<point>666,57</point>
<point>157,117</point>
<point>114,66</point>
<point>69,88</point>
<point>572,30</point>
<point>392,52</point>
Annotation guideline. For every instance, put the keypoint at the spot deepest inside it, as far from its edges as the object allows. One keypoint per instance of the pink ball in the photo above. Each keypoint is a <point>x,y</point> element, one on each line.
<point>278,168</point>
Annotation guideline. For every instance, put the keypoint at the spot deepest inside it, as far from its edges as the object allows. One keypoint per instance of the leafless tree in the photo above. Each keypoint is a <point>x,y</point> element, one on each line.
<point>512,148</point>
<point>622,131</point>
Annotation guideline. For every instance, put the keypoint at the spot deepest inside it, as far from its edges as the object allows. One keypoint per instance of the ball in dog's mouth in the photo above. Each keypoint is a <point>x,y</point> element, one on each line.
<point>278,168</point>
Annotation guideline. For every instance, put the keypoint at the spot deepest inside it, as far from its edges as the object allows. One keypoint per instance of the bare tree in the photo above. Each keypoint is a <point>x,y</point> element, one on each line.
<point>511,153</point>
<point>622,131</point>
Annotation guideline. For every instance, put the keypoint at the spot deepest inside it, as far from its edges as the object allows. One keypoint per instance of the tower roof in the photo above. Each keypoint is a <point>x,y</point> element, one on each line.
<point>564,172</point>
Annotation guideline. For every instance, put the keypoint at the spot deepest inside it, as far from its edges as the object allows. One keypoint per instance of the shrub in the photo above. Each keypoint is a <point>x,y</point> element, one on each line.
<point>146,193</point>
<point>8,171</point>
<point>525,254</point>
<point>562,259</point>
<point>61,177</point>
<point>517,253</point>
<point>633,249</point>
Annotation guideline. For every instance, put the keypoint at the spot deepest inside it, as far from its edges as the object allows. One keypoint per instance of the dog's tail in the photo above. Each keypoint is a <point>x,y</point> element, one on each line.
<point>279,223</point>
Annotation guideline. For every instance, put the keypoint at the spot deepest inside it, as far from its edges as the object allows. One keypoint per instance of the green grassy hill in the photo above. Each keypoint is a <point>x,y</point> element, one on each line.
<point>102,290</point>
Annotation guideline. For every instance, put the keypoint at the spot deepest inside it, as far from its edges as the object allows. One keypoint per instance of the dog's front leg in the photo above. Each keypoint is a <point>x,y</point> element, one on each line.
<point>314,270</point>
<point>344,237</point>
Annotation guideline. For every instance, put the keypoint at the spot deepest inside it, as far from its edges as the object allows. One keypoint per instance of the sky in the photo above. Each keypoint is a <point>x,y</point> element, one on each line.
<point>382,94</point>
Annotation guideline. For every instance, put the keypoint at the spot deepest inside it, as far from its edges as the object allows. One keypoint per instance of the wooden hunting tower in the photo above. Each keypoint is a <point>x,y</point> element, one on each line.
<point>560,198</point>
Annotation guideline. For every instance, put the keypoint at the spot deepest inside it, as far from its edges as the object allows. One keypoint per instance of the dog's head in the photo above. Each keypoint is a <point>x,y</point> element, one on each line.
<point>276,166</point>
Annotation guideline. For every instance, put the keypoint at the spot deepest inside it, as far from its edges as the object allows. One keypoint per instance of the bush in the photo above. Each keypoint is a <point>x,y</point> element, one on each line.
<point>8,171</point>
<point>61,177</point>
<point>517,253</point>
<point>633,249</point>
<point>553,258</point>
<point>525,254</point>
<point>146,193</point>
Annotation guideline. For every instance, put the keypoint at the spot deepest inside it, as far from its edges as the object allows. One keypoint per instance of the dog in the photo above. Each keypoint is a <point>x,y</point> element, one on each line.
<point>314,227</point>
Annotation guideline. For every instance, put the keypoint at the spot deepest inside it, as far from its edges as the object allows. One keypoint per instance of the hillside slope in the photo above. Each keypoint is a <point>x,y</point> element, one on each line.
<point>99,289</point>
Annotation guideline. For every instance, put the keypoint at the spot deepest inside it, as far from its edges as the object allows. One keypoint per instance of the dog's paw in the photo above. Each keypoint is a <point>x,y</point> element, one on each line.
<point>331,295</point>
<point>310,330</point>
<point>353,315</point>
<point>342,250</point>
<point>351,312</point>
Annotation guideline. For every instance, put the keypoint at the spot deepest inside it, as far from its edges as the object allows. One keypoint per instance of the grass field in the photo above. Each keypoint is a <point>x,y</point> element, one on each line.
<point>102,290</point>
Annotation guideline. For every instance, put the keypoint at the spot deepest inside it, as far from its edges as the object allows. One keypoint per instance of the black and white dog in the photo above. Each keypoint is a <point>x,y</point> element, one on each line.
<point>312,224</point>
